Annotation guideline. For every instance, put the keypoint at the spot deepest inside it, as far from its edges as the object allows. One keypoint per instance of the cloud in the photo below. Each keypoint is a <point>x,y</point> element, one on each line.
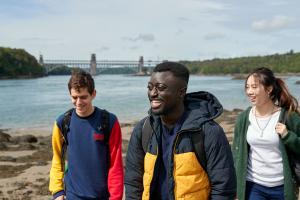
<point>212,5</point>
<point>277,3</point>
<point>141,37</point>
<point>184,19</point>
<point>179,32</point>
<point>38,39</point>
<point>25,10</point>
<point>103,49</point>
<point>274,24</point>
<point>214,36</point>
<point>134,47</point>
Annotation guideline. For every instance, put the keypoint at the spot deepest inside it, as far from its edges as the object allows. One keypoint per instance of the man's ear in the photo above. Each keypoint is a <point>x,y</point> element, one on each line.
<point>94,94</point>
<point>182,92</point>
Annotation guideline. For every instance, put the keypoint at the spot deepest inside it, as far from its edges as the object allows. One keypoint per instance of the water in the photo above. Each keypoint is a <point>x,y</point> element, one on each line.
<point>35,103</point>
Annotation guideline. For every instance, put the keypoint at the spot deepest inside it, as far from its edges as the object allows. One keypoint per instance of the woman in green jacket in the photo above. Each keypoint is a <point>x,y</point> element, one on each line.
<point>261,143</point>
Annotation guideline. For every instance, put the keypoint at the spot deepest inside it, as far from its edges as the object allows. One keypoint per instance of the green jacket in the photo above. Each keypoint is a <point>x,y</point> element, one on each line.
<point>240,149</point>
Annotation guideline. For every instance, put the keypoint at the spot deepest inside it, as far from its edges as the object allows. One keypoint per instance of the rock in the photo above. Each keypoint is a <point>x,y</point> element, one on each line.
<point>237,110</point>
<point>25,139</point>
<point>26,147</point>
<point>8,159</point>
<point>3,146</point>
<point>298,82</point>
<point>8,171</point>
<point>45,141</point>
<point>4,137</point>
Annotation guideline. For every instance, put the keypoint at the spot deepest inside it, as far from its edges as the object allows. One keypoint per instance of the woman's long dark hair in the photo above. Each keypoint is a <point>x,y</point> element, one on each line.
<point>280,94</point>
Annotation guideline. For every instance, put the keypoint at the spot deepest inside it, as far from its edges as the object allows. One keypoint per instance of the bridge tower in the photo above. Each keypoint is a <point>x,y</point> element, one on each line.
<point>93,65</point>
<point>41,60</point>
<point>141,65</point>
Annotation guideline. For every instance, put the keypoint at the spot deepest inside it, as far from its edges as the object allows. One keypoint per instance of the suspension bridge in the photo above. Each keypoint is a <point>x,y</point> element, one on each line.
<point>95,66</point>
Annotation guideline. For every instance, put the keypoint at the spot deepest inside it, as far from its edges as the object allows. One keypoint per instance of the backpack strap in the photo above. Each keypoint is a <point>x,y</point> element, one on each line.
<point>66,124</point>
<point>198,144</point>
<point>105,125</point>
<point>146,133</point>
<point>65,129</point>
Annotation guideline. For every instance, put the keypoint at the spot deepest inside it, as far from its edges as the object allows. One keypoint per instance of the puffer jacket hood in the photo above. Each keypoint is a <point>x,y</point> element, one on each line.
<point>202,106</point>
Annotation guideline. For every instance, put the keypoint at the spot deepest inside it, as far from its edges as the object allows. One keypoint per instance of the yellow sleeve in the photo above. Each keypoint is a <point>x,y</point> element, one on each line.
<point>56,173</point>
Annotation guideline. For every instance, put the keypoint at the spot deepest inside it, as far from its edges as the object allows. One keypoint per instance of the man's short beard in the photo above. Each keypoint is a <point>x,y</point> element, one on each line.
<point>163,111</point>
<point>158,113</point>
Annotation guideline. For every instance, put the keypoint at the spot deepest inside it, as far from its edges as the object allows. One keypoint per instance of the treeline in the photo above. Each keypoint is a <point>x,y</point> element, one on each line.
<point>17,63</point>
<point>62,70</point>
<point>279,63</point>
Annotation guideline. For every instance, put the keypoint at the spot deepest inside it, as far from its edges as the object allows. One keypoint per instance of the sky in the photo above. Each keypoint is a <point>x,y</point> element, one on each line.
<point>155,29</point>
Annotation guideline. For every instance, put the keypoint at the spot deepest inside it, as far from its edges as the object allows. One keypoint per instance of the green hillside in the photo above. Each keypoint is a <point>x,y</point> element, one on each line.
<point>279,63</point>
<point>17,63</point>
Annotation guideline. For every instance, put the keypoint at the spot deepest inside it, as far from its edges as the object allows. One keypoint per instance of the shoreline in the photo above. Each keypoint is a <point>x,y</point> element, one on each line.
<point>41,129</point>
<point>26,153</point>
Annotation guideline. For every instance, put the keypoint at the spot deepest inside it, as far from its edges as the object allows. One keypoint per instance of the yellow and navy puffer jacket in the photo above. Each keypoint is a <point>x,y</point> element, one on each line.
<point>187,179</point>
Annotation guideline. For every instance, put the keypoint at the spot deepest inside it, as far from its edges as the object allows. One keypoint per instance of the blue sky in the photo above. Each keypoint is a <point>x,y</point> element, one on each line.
<point>155,29</point>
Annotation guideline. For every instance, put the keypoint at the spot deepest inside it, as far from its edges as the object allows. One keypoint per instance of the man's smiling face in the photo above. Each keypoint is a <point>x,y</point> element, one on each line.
<point>164,93</point>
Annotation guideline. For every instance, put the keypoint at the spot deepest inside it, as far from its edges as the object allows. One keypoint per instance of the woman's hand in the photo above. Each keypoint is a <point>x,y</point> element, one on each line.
<point>281,130</point>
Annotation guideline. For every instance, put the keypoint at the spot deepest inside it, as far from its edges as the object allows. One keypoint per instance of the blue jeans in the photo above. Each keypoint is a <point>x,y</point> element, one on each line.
<point>255,191</point>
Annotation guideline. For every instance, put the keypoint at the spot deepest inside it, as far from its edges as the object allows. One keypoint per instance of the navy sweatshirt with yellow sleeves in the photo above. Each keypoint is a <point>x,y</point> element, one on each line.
<point>95,169</point>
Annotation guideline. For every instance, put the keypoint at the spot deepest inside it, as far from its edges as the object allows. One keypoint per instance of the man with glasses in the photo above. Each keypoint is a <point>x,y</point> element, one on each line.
<point>169,167</point>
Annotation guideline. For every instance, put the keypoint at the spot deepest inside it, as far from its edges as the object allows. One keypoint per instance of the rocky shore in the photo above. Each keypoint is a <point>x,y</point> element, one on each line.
<point>25,159</point>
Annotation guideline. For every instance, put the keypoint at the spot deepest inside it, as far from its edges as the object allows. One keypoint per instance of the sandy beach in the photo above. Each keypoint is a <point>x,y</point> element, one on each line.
<point>25,158</point>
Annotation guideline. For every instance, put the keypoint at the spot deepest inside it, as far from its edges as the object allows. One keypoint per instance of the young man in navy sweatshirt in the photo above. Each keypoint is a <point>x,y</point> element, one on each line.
<point>94,166</point>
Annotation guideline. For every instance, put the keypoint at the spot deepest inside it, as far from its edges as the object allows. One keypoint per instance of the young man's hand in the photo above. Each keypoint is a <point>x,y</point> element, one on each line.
<point>62,197</point>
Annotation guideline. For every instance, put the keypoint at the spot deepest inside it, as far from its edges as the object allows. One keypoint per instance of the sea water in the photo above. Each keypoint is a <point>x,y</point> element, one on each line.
<point>30,103</point>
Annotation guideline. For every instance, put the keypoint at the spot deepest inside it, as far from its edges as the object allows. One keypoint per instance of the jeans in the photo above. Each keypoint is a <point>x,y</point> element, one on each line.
<point>255,191</point>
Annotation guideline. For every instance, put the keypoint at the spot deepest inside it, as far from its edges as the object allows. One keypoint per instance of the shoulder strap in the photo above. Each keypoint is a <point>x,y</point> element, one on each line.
<point>65,129</point>
<point>146,133</point>
<point>66,124</point>
<point>105,125</point>
<point>198,143</point>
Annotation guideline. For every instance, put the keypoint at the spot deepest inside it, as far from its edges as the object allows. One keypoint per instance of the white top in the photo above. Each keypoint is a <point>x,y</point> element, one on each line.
<point>264,160</point>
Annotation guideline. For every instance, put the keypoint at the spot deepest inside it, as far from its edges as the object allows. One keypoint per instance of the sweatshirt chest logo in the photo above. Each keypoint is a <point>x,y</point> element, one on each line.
<point>98,136</point>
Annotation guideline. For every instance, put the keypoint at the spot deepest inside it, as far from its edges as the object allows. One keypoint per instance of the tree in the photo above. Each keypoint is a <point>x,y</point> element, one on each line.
<point>16,63</point>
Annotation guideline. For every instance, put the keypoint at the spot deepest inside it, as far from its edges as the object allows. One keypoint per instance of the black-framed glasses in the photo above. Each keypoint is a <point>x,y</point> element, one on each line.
<point>159,87</point>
